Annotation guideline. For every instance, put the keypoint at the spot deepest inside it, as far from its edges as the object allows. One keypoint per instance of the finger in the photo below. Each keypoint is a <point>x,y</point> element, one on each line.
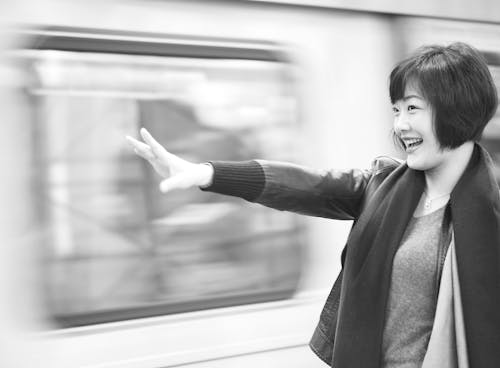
<point>175,182</point>
<point>157,148</point>
<point>137,144</point>
<point>147,155</point>
<point>142,150</point>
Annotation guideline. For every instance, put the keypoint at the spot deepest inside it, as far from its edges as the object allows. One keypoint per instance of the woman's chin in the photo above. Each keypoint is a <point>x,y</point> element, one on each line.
<point>416,164</point>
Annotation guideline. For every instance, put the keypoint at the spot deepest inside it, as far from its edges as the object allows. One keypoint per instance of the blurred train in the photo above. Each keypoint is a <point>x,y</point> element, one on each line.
<point>97,268</point>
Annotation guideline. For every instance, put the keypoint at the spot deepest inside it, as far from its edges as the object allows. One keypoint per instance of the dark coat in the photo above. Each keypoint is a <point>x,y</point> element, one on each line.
<point>348,195</point>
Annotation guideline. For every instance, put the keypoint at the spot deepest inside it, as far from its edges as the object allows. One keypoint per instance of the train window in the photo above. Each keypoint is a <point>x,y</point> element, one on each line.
<point>116,248</point>
<point>491,136</point>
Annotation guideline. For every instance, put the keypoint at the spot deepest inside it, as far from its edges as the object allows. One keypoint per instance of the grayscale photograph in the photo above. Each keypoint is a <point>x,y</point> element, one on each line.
<point>249,183</point>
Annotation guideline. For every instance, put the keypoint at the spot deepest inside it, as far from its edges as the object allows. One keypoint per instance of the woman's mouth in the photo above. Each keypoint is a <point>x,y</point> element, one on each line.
<point>411,144</point>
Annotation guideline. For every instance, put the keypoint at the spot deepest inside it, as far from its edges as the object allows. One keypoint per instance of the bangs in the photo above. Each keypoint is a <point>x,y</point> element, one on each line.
<point>402,76</point>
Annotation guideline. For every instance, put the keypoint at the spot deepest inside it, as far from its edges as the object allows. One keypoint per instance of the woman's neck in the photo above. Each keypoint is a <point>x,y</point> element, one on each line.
<point>442,179</point>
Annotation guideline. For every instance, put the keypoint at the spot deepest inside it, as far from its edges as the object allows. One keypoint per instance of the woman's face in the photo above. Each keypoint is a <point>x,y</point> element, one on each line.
<point>413,123</point>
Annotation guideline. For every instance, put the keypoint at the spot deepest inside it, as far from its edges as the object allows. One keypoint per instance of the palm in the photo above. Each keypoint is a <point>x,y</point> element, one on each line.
<point>178,172</point>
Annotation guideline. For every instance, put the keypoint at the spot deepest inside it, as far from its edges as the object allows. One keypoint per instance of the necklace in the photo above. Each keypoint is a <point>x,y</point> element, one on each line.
<point>428,201</point>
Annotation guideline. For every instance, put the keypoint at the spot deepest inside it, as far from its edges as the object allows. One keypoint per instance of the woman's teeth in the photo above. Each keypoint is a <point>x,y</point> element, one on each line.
<point>414,142</point>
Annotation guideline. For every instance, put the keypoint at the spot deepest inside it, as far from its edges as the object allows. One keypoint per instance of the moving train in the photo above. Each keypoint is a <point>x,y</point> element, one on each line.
<point>98,269</point>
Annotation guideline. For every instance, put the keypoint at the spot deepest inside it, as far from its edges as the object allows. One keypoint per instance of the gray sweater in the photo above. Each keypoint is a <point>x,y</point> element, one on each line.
<point>413,294</point>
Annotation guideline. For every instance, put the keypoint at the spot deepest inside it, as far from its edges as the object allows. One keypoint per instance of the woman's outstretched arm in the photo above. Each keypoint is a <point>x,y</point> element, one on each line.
<point>336,194</point>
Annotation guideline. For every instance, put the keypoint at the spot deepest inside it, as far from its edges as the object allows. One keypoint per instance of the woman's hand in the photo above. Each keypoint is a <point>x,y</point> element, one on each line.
<point>178,173</point>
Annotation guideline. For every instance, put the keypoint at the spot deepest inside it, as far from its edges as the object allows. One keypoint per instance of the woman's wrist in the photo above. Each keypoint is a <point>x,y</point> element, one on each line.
<point>206,174</point>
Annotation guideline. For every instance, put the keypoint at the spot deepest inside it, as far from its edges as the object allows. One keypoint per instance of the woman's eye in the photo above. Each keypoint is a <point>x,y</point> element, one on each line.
<point>395,110</point>
<point>412,107</point>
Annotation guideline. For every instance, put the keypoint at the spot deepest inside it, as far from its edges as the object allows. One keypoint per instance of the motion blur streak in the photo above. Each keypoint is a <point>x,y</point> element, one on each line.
<point>18,266</point>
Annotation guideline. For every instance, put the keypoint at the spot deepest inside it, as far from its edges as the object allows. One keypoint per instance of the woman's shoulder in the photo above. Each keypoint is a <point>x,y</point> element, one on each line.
<point>383,164</point>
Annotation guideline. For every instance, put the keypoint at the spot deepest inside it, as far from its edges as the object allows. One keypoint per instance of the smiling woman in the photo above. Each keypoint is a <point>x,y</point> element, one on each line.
<point>419,285</point>
<point>457,84</point>
<point>442,100</point>
<point>412,110</point>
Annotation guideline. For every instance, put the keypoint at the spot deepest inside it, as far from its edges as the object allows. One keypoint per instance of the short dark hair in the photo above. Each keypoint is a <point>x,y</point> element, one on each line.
<point>457,83</point>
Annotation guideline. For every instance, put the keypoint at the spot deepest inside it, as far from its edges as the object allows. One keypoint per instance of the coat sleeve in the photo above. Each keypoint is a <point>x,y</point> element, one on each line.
<point>335,194</point>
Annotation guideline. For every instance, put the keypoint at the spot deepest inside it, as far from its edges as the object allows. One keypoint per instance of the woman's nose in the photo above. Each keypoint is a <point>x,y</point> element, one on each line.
<point>401,123</point>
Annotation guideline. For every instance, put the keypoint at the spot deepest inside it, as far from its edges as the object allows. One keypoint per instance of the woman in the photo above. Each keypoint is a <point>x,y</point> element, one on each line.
<point>420,279</point>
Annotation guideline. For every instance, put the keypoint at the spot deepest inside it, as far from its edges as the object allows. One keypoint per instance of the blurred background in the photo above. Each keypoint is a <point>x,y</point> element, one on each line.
<point>97,267</point>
